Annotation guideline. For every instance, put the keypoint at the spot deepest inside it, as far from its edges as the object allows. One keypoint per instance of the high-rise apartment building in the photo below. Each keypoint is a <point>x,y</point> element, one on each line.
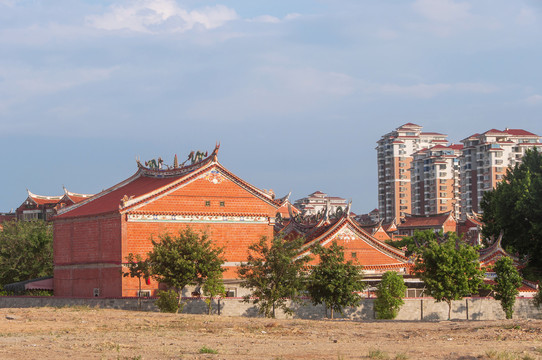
<point>484,160</point>
<point>435,180</point>
<point>394,156</point>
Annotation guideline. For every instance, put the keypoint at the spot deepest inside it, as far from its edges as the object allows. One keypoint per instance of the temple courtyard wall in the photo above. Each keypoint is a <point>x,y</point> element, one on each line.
<point>414,309</point>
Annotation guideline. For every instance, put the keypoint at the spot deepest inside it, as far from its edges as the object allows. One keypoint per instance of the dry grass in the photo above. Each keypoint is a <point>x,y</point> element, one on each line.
<point>89,333</point>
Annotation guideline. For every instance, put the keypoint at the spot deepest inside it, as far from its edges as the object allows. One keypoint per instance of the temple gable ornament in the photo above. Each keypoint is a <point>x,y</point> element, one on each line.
<point>214,177</point>
<point>346,235</point>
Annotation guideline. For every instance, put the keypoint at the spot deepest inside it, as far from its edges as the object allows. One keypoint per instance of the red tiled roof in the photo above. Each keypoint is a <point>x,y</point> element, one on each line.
<point>519,132</point>
<point>432,133</point>
<point>7,217</point>
<point>409,125</point>
<point>43,200</point>
<point>494,131</point>
<point>147,183</point>
<point>424,221</point>
<point>109,200</point>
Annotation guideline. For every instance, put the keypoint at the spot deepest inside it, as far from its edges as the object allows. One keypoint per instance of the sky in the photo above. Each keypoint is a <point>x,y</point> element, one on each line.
<point>296,92</point>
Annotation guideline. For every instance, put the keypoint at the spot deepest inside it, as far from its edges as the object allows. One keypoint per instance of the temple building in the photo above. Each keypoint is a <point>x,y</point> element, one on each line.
<point>41,207</point>
<point>93,238</point>
<point>445,222</point>
<point>362,248</point>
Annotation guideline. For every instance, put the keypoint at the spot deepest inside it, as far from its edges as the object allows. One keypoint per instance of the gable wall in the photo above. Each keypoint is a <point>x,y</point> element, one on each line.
<point>192,197</point>
<point>365,254</point>
<point>233,235</point>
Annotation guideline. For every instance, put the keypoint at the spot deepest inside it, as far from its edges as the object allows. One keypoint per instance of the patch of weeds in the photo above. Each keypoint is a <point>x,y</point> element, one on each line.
<point>207,350</point>
<point>511,326</point>
<point>377,354</point>
<point>505,355</point>
<point>538,350</point>
<point>401,356</point>
<point>79,308</point>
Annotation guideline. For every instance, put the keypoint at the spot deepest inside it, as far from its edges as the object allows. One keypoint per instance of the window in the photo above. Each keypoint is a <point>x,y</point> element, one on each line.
<point>207,203</point>
<point>222,204</point>
<point>354,255</point>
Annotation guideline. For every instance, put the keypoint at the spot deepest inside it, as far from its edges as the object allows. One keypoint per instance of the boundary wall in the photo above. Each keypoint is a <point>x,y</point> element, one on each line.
<point>414,309</point>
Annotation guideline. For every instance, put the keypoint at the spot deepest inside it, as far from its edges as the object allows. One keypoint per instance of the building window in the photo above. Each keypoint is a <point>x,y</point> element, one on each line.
<point>207,203</point>
<point>222,203</point>
<point>231,292</point>
<point>354,255</point>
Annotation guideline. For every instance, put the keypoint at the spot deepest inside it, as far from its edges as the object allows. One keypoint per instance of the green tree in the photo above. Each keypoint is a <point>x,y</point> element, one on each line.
<point>334,281</point>
<point>515,207</point>
<point>213,287</point>
<point>139,268</point>
<point>450,270</point>
<point>26,251</point>
<point>508,281</point>
<point>390,292</point>
<point>186,259</point>
<point>537,300</point>
<point>274,274</point>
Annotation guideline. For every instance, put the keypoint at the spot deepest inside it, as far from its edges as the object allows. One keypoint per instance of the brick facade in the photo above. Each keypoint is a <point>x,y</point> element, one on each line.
<point>92,239</point>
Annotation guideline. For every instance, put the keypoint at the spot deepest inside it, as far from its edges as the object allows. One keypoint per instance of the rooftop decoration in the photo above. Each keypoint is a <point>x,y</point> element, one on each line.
<point>194,158</point>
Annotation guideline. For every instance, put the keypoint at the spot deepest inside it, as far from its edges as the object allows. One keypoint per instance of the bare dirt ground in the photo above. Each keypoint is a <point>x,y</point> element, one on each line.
<point>87,333</point>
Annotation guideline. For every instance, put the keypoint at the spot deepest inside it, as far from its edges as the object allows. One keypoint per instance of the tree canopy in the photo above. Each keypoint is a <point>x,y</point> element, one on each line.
<point>515,208</point>
<point>139,268</point>
<point>26,251</point>
<point>450,270</point>
<point>186,259</point>
<point>335,282</point>
<point>390,292</point>
<point>274,274</point>
<point>508,281</point>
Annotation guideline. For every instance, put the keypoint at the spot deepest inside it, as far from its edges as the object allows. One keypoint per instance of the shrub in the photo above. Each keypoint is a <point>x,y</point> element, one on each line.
<point>167,301</point>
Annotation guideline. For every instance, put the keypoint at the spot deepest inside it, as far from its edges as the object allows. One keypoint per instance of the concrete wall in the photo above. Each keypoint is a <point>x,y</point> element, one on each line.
<point>413,309</point>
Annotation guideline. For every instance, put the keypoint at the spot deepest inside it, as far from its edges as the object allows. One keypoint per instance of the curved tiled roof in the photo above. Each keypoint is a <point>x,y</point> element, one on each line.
<point>146,184</point>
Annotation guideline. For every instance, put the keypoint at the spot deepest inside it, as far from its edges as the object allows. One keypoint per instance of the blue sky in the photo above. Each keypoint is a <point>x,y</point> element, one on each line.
<point>297,92</point>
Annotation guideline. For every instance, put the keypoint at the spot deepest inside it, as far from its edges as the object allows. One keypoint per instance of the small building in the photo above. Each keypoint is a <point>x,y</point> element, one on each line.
<point>317,202</point>
<point>41,207</point>
<point>439,222</point>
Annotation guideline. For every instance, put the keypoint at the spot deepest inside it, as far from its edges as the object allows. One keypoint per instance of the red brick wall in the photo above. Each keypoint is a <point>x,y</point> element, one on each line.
<point>192,197</point>
<point>87,255</point>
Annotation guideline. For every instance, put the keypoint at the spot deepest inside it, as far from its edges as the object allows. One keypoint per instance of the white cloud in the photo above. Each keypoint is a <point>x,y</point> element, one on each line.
<point>265,19</point>
<point>534,100</point>
<point>526,16</point>
<point>292,16</point>
<point>20,84</point>
<point>446,11</point>
<point>426,91</point>
<point>274,19</point>
<point>156,16</point>
<point>8,3</point>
